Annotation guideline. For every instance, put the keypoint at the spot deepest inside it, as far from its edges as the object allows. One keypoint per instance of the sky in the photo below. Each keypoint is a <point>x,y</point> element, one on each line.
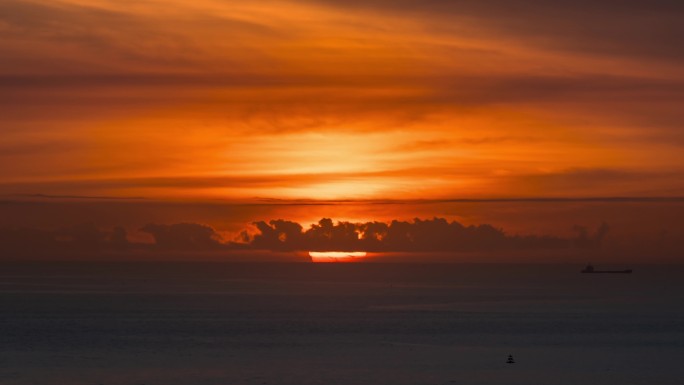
<point>399,109</point>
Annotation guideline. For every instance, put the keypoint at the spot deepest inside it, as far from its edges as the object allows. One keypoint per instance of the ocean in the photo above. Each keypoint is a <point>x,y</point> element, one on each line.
<point>338,324</point>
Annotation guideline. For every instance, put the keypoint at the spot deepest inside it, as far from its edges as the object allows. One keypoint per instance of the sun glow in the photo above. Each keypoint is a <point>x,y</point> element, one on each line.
<point>336,256</point>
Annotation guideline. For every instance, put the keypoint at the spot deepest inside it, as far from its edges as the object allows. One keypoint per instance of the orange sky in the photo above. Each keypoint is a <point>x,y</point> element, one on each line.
<point>325,99</point>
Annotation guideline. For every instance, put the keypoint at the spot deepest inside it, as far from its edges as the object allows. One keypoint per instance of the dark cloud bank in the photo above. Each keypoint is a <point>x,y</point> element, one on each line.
<point>432,235</point>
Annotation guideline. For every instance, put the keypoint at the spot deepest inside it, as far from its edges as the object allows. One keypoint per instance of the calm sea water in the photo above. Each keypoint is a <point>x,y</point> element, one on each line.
<point>212,323</point>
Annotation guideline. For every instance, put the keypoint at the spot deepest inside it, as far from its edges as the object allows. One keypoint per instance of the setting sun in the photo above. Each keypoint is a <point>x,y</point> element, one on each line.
<point>336,256</point>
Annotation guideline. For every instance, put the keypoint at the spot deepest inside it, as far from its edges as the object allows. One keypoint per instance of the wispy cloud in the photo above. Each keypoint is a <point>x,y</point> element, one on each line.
<point>322,99</point>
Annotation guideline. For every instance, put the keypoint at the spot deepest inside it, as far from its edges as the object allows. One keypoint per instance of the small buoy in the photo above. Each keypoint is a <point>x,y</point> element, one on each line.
<point>510,359</point>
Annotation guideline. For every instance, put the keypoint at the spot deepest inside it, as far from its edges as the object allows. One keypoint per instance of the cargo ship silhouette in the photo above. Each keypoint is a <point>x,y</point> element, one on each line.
<point>590,270</point>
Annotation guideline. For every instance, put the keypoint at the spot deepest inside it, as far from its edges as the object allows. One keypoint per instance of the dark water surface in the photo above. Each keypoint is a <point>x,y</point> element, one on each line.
<point>213,323</point>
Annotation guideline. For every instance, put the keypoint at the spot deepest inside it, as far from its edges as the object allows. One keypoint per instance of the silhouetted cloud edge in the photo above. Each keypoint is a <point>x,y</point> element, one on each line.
<point>418,235</point>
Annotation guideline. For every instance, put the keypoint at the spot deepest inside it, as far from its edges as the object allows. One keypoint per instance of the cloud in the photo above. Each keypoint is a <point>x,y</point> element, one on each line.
<point>84,237</point>
<point>585,240</point>
<point>278,235</point>
<point>417,239</point>
<point>431,235</point>
<point>630,28</point>
<point>613,182</point>
<point>103,34</point>
<point>522,88</point>
<point>154,100</point>
<point>19,241</point>
<point>184,236</point>
<point>119,238</point>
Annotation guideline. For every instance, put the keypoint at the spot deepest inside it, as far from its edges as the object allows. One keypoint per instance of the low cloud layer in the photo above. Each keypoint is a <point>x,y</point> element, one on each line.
<point>430,235</point>
<point>184,236</point>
